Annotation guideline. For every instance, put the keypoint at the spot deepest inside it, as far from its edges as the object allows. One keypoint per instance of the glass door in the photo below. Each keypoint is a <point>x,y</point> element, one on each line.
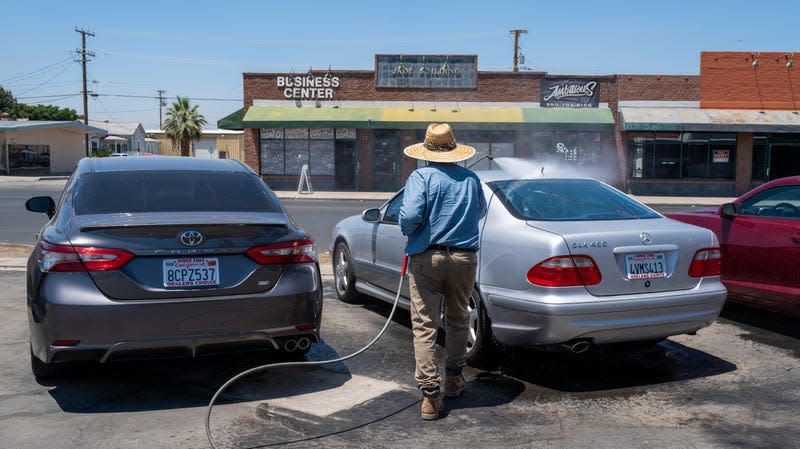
<point>385,164</point>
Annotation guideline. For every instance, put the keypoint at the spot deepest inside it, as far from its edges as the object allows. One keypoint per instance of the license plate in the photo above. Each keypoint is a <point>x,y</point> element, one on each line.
<point>645,265</point>
<point>191,272</point>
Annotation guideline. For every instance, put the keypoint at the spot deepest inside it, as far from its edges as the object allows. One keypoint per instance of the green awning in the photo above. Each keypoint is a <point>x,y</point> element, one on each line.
<point>232,121</point>
<point>566,119</point>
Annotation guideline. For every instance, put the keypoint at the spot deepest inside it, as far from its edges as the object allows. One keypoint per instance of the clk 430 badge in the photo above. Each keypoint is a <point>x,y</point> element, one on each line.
<point>595,244</point>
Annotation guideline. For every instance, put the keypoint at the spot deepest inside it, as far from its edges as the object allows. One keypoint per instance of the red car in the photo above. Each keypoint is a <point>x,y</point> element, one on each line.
<point>759,234</point>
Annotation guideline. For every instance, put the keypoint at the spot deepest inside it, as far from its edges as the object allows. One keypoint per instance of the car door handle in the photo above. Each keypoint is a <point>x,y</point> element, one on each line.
<point>796,238</point>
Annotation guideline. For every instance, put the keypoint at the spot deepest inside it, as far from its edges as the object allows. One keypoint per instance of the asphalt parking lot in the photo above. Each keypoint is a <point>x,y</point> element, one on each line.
<point>731,385</point>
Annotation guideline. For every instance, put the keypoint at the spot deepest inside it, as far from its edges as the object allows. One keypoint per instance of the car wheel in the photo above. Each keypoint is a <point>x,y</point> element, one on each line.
<point>481,346</point>
<point>42,370</point>
<point>344,280</point>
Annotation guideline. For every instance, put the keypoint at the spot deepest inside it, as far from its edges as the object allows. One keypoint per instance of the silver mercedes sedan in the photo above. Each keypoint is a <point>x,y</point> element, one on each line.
<point>166,257</point>
<point>563,264</point>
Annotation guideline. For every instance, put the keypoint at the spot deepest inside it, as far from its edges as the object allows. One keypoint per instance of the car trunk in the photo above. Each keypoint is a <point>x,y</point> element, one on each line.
<point>634,256</point>
<point>218,266</point>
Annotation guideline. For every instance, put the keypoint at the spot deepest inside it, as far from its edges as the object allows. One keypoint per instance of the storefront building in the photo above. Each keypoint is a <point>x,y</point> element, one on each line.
<point>716,134</point>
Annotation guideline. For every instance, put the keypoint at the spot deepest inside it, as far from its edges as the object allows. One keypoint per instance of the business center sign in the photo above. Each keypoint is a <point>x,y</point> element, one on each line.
<point>426,71</point>
<point>570,93</point>
<point>307,87</point>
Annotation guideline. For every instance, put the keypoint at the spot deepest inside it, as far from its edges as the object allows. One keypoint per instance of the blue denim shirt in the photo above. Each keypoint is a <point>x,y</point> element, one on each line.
<point>442,204</point>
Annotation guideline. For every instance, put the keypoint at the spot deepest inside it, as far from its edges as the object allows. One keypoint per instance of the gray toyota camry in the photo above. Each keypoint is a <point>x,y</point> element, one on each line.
<point>168,257</point>
<point>563,264</point>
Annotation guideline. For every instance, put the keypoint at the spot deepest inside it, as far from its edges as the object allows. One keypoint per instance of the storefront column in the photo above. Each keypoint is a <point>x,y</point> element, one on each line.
<point>744,162</point>
<point>364,172</point>
<point>252,149</point>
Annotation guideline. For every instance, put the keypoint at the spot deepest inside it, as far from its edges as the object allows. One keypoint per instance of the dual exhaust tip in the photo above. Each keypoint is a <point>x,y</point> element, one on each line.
<point>292,344</point>
<point>576,346</point>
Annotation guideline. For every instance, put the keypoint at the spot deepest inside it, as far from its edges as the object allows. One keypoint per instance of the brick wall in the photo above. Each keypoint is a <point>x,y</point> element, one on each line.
<point>730,81</point>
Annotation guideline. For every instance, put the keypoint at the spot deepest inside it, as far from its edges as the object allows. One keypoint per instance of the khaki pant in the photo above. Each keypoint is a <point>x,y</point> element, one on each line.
<point>437,279</point>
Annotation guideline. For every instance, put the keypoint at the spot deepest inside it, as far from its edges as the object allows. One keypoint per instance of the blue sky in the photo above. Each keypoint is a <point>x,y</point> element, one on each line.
<point>200,49</point>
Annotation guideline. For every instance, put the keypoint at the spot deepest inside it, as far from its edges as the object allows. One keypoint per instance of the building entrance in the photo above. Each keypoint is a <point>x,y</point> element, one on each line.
<point>345,164</point>
<point>384,160</point>
<point>784,160</point>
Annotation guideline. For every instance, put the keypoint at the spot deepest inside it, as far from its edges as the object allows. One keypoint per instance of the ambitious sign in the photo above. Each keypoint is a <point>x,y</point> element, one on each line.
<point>308,87</point>
<point>426,71</point>
<point>570,93</point>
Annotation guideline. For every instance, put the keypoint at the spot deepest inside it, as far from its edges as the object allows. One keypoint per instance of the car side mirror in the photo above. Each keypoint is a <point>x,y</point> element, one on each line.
<point>42,204</point>
<point>371,215</point>
<point>728,210</point>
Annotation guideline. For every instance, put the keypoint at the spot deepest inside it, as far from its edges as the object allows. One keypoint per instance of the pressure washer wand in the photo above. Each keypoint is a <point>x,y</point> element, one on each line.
<point>485,156</point>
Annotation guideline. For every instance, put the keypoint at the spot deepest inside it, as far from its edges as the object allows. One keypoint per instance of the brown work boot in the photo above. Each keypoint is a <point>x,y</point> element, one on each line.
<point>454,385</point>
<point>431,406</point>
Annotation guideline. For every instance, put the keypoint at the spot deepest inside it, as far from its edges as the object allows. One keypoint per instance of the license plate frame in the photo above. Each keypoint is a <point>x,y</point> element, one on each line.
<point>190,272</point>
<point>645,265</point>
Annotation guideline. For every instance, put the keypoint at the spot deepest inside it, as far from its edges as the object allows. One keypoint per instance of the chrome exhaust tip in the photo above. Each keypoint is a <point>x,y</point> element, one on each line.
<point>303,343</point>
<point>576,347</point>
<point>290,345</point>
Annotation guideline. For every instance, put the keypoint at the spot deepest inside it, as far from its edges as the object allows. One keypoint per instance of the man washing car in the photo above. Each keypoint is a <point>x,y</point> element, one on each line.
<point>442,206</point>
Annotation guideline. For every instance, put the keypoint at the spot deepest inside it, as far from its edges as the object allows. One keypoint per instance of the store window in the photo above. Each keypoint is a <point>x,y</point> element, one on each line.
<point>28,158</point>
<point>284,151</point>
<point>683,156</point>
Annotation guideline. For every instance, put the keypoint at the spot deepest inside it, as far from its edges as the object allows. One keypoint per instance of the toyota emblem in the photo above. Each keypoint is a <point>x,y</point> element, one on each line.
<point>191,238</point>
<point>646,239</point>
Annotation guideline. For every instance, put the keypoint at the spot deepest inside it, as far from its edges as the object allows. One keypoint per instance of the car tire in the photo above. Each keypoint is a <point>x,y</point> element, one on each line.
<point>344,279</point>
<point>42,370</point>
<point>481,345</point>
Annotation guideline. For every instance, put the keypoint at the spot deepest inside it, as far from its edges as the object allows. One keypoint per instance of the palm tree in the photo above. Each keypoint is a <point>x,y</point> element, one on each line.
<point>183,124</point>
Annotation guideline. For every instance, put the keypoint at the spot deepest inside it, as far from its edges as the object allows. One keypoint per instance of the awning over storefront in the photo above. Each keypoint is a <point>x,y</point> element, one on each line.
<point>708,120</point>
<point>587,119</point>
<point>232,121</point>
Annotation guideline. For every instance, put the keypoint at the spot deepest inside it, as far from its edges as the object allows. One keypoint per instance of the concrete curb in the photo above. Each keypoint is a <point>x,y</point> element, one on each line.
<point>13,263</point>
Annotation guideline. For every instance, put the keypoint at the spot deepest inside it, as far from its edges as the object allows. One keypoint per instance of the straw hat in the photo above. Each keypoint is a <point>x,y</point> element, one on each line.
<point>439,146</point>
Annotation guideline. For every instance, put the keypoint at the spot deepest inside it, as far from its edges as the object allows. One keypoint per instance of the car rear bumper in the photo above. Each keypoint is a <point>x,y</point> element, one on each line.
<point>525,322</point>
<point>107,330</point>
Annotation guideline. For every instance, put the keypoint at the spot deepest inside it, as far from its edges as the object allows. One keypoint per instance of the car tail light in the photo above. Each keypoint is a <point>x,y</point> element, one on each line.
<point>306,327</point>
<point>80,258</point>
<point>565,271</point>
<point>706,262</point>
<point>298,251</point>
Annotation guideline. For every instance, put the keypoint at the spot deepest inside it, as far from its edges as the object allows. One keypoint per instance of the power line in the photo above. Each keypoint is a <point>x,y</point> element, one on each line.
<point>149,97</point>
<point>45,82</point>
<point>37,71</point>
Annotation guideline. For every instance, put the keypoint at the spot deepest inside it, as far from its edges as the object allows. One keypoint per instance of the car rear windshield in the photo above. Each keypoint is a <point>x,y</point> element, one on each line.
<point>172,191</point>
<point>567,199</point>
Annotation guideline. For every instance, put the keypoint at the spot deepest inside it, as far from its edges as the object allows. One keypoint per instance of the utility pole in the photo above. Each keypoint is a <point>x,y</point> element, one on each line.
<point>516,34</point>
<point>83,53</point>
<point>161,103</point>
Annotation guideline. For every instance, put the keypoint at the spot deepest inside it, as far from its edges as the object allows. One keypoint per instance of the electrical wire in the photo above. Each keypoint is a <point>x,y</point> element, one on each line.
<point>306,363</point>
<point>67,67</point>
<point>41,70</point>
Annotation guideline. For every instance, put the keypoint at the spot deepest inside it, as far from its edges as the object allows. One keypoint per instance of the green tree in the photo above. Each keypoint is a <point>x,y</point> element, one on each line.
<point>183,124</point>
<point>46,112</point>
<point>8,103</point>
<point>34,112</point>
